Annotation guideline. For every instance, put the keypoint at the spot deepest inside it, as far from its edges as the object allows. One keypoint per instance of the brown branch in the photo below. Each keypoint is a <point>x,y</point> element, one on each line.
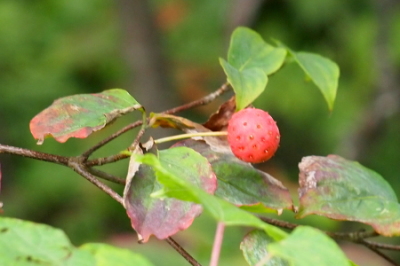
<point>76,164</point>
<point>352,236</point>
<point>203,101</point>
<point>106,176</point>
<point>107,160</point>
<point>373,247</point>
<point>181,251</point>
<point>41,156</point>
<point>382,245</point>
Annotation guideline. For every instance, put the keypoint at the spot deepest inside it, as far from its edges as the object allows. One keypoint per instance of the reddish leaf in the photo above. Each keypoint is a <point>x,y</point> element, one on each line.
<point>345,190</point>
<point>240,183</point>
<point>165,217</point>
<point>219,120</point>
<point>80,115</point>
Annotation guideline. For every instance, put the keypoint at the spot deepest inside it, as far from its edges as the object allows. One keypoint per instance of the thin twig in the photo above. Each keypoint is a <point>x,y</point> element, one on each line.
<point>106,160</point>
<point>352,236</point>
<point>181,251</point>
<point>34,154</point>
<point>141,132</point>
<point>203,101</point>
<point>279,223</point>
<point>111,137</point>
<point>106,176</point>
<point>373,248</point>
<point>216,251</point>
<point>381,245</point>
<point>76,164</point>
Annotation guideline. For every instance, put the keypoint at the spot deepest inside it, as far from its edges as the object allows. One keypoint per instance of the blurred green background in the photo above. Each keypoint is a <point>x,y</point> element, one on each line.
<point>165,52</point>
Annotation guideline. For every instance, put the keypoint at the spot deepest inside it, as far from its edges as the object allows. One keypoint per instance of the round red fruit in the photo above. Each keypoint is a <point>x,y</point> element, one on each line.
<point>253,135</point>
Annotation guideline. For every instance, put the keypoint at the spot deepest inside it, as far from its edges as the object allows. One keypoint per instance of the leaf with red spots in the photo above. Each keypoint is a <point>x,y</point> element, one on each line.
<point>345,190</point>
<point>80,115</point>
<point>240,183</point>
<point>163,217</point>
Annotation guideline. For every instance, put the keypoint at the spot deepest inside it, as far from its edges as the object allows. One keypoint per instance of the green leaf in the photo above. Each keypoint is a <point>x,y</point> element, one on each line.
<point>254,248</point>
<point>221,210</point>
<point>248,50</point>
<point>80,115</point>
<point>345,190</point>
<point>27,243</point>
<point>322,71</point>
<point>307,246</point>
<point>106,255</point>
<point>248,84</point>
<point>250,61</point>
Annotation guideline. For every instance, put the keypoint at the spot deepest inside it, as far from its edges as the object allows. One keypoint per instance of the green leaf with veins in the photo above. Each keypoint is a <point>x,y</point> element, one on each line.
<point>322,71</point>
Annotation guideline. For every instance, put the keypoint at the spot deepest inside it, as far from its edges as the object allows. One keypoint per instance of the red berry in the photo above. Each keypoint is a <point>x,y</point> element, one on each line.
<point>253,135</point>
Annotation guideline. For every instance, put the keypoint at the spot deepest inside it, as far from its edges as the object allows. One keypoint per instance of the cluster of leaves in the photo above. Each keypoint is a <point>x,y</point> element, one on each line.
<point>165,190</point>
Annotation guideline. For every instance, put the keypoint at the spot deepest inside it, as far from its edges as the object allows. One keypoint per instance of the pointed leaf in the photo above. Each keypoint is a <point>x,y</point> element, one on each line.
<point>240,183</point>
<point>254,248</point>
<point>248,50</point>
<point>248,83</point>
<point>250,61</point>
<point>164,217</point>
<point>322,71</point>
<point>345,190</point>
<point>106,255</point>
<point>80,115</point>
<point>218,208</point>
<point>307,246</point>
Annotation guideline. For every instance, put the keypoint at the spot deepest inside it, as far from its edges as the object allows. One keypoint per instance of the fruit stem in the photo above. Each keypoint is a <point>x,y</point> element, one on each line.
<point>190,135</point>
<point>216,251</point>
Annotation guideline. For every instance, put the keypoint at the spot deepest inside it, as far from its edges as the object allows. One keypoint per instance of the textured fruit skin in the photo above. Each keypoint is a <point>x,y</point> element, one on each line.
<point>253,135</point>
